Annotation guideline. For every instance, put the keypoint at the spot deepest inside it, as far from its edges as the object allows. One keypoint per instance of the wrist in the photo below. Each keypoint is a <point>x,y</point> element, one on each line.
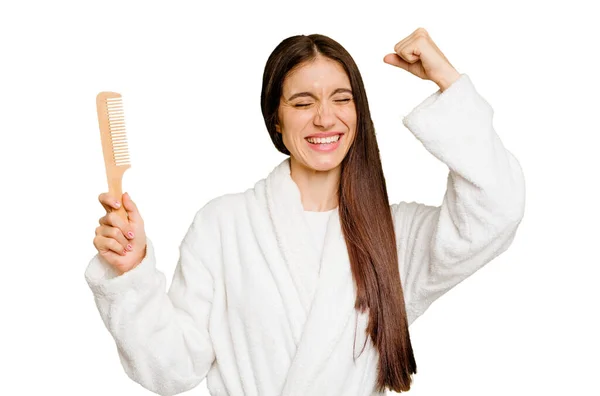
<point>448,79</point>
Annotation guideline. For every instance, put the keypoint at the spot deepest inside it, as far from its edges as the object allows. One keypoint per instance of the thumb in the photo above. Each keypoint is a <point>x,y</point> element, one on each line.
<point>131,208</point>
<point>396,60</point>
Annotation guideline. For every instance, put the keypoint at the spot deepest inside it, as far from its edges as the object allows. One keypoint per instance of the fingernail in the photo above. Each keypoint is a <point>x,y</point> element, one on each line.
<point>130,234</point>
<point>124,251</point>
<point>117,204</point>
<point>129,246</point>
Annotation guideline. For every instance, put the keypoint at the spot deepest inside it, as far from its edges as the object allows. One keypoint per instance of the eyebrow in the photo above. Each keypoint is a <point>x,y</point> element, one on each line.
<point>300,94</point>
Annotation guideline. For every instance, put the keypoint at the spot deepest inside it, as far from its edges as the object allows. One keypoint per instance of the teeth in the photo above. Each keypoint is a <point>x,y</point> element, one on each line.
<point>330,139</point>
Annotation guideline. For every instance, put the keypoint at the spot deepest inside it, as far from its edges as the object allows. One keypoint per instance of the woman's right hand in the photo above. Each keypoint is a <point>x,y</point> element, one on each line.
<point>122,243</point>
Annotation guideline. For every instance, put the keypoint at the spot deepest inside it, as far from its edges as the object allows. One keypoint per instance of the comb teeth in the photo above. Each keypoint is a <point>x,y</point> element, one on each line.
<point>116,125</point>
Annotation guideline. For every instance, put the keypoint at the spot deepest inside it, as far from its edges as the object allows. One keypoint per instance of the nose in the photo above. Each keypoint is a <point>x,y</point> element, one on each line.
<point>325,117</point>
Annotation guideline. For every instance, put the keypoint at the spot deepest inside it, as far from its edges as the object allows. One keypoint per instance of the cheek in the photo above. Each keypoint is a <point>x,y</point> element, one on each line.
<point>348,117</point>
<point>292,120</point>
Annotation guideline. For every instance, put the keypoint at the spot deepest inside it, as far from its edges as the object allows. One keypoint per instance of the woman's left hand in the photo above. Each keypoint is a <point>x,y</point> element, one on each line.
<point>419,55</point>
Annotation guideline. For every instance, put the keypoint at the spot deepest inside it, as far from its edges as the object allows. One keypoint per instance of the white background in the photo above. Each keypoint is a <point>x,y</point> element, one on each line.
<point>190,76</point>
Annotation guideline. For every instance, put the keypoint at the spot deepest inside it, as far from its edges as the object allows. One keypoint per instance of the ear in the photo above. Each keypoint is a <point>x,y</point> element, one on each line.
<point>277,128</point>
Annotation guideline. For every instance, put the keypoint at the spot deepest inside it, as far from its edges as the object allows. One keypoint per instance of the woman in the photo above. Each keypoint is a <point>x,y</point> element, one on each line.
<point>306,283</point>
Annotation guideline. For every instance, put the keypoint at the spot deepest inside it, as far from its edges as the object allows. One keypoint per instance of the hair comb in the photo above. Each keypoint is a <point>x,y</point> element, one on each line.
<point>111,119</point>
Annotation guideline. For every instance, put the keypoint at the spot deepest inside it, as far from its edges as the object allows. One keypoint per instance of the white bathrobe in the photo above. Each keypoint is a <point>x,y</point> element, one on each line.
<point>256,311</point>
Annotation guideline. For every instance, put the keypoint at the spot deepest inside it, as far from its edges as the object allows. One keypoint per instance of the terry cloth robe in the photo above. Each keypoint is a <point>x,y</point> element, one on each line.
<point>254,309</point>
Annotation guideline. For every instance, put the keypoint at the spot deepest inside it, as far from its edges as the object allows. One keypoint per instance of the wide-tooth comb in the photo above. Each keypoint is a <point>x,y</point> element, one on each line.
<point>111,119</point>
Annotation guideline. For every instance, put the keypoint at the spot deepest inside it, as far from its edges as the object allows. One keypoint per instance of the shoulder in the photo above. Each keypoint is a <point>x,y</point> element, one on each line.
<point>219,207</point>
<point>230,205</point>
<point>408,210</point>
<point>408,216</point>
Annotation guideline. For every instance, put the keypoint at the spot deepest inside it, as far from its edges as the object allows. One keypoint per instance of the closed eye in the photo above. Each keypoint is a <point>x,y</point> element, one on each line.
<point>338,101</point>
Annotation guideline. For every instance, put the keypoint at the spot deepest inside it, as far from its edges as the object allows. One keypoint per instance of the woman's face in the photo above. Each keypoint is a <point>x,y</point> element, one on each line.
<point>317,101</point>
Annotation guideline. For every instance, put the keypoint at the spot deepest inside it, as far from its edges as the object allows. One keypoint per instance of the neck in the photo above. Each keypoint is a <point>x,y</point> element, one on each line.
<point>318,189</point>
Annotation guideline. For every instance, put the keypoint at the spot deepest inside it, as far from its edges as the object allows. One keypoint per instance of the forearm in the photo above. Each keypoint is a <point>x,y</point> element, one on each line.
<point>160,346</point>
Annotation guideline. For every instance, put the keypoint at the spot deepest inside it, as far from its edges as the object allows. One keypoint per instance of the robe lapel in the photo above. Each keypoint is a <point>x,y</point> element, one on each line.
<point>291,229</point>
<point>329,277</point>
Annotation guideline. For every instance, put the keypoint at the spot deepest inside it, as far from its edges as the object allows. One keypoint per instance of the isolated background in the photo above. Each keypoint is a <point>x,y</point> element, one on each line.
<point>190,75</point>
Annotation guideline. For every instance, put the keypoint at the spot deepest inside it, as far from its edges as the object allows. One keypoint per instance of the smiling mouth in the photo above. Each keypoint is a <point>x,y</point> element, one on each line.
<point>325,145</point>
<point>324,141</point>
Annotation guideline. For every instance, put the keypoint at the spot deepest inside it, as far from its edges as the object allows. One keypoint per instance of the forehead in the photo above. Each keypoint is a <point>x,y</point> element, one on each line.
<point>322,73</point>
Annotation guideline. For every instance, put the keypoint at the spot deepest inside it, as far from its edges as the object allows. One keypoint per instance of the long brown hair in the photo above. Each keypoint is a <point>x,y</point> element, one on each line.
<point>364,209</point>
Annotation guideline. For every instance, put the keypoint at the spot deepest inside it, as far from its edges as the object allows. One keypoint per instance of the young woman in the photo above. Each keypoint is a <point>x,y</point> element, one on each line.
<point>306,283</point>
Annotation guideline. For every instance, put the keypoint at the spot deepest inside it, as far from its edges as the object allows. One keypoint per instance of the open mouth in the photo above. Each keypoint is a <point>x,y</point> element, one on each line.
<point>325,144</point>
<point>327,140</point>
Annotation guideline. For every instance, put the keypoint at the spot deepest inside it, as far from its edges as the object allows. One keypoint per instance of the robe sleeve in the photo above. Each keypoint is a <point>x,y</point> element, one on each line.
<point>482,207</point>
<point>162,338</point>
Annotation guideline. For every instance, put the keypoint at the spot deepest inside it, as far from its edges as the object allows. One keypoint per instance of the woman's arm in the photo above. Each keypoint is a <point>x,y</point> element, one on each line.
<point>483,205</point>
<point>162,338</point>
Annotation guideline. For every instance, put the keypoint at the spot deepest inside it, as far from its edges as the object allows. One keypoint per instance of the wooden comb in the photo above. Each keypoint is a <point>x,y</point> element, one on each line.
<point>111,119</point>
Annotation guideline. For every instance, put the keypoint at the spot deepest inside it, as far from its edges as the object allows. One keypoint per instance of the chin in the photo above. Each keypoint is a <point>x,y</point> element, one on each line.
<point>324,164</point>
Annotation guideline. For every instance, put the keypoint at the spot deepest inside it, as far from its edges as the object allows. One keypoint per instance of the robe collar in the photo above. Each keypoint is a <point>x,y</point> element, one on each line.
<point>324,285</point>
